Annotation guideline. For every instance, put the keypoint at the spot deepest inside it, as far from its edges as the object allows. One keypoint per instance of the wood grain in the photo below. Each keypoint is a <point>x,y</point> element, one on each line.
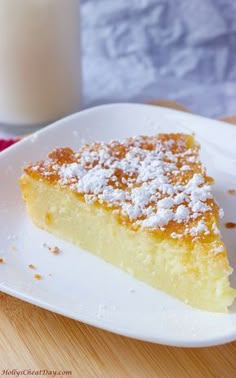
<point>230,119</point>
<point>33,338</point>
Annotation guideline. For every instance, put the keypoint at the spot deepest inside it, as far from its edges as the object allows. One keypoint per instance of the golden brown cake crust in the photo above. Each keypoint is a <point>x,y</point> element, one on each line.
<point>153,182</point>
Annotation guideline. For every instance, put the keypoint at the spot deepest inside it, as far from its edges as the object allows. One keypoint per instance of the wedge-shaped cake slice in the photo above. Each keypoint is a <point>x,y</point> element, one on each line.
<point>144,205</point>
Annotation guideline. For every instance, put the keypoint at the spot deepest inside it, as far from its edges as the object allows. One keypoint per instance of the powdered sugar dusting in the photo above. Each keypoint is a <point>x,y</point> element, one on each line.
<point>201,227</point>
<point>149,181</point>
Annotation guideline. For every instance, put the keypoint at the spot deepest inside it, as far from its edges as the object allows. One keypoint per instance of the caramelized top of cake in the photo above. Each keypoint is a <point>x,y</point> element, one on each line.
<point>156,183</point>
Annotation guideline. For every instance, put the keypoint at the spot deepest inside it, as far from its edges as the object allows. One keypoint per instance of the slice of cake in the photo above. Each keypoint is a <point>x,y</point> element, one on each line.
<point>144,205</point>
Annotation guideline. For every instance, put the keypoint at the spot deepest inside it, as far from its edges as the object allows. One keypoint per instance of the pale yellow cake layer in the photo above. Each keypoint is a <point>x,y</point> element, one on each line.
<point>198,276</point>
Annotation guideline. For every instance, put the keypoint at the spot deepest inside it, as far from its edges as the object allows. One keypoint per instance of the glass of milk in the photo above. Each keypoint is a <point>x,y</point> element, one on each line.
<point>40,76</point>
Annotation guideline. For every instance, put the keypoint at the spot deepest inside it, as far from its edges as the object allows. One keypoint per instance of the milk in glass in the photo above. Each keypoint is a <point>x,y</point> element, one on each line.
<point>39,61</point>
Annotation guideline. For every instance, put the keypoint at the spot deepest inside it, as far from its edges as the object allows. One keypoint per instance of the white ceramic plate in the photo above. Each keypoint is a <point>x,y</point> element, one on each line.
<point>79,285</point>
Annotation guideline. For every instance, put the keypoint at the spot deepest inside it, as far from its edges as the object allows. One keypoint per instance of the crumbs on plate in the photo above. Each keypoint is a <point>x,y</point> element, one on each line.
<point>55,250</point>
<point>230,225</point>
<point>231,191</point>
<point>38,276</point>
<point>1,260</point>
<point>31,266</point>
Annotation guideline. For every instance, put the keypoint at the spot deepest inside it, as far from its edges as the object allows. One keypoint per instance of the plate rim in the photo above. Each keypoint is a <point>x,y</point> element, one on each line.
<point>120,330</point>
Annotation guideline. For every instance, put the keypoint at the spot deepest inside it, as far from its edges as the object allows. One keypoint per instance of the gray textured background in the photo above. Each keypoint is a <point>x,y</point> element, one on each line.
<point>183,50</point>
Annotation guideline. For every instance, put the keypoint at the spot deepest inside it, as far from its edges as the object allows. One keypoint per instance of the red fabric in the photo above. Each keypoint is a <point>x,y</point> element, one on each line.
<point>4,143</point>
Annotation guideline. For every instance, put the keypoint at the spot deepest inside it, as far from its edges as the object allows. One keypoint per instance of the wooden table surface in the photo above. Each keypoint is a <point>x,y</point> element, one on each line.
<point>36,339</point>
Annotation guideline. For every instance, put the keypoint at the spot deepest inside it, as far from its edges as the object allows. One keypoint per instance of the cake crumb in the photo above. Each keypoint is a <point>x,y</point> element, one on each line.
<point>232,191</point>
<point>55,250</point>
<point>1,260</point>
<point>230,225</point>
<point>13,248</point>
<point>31,266</point>
<point>38,276</point>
